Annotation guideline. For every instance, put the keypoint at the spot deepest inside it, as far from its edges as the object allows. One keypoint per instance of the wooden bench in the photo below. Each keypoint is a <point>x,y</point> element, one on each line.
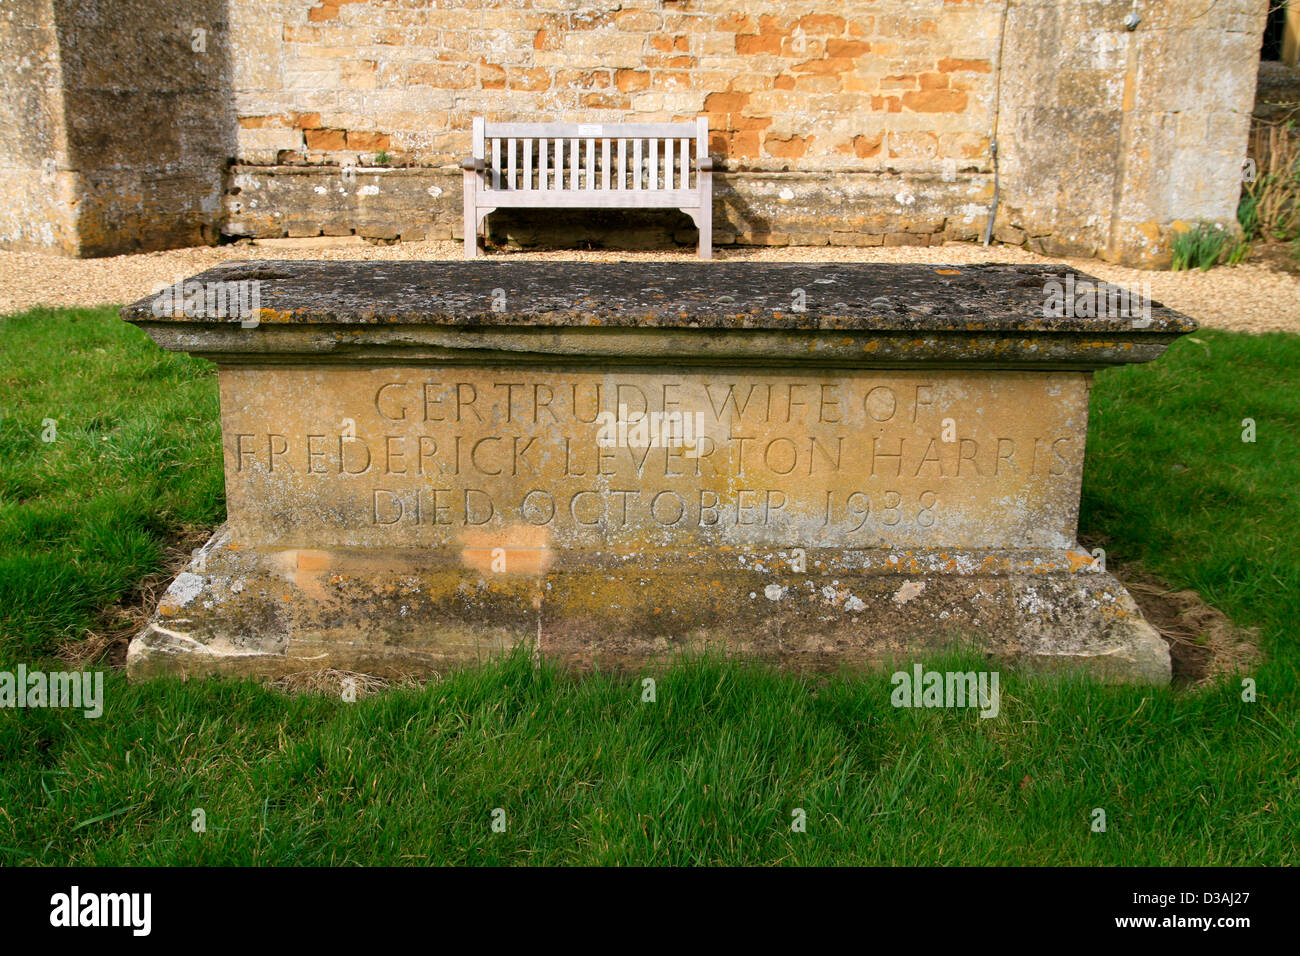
<point>589,166</point>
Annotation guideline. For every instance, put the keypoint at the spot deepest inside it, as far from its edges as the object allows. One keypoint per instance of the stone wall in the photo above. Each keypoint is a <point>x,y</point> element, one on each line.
<point>36,196</point>
<point>120,126</point>
<point>1110,140</point>
<point>860,122</point>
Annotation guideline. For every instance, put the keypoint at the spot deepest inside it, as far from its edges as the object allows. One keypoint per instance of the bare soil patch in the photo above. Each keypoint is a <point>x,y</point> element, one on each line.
<point>106,643</point>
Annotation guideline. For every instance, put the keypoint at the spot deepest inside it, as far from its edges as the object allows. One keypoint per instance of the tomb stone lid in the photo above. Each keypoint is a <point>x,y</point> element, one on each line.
<point>751,312</point>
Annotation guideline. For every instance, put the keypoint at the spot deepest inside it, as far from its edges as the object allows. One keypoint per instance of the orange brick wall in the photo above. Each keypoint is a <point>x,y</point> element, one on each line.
<point>856,84</point>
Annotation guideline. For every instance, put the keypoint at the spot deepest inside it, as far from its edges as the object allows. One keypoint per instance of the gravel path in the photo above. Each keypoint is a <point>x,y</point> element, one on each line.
<point>1247,297</point>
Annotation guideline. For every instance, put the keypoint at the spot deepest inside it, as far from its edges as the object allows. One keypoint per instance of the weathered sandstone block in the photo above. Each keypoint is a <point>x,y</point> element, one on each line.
<point>816,464</point>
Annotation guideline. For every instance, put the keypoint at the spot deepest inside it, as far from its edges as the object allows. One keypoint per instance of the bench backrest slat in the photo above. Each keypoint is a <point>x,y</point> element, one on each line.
<point>570,130</point>
<point>579,166</point>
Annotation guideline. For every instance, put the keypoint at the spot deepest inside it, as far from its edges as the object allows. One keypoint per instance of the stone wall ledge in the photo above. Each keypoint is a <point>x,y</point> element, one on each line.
<point>917,171</point>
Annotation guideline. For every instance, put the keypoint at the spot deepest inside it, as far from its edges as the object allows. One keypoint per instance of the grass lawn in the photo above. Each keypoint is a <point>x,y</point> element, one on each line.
<point>584,771</point>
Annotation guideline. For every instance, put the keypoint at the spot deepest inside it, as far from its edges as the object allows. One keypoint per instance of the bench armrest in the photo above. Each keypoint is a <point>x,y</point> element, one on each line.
<point>473,164</point>
<point>705,164</point>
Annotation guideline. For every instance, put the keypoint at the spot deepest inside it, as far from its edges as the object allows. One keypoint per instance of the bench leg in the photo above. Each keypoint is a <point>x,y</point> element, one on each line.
<point>471,217</point>
<point>705,221</point>
<point>471,235</point>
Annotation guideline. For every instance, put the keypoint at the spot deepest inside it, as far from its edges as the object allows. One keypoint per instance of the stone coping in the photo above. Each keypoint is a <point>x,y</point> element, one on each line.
<point>853,315</point>
<point>727,295</point>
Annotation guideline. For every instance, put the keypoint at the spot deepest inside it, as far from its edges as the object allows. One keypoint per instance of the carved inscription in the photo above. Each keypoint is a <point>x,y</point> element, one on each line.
<point>850,459</point>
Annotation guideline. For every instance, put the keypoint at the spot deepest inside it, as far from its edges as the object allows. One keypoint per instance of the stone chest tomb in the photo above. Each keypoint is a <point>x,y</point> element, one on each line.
<point>431,462</point>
